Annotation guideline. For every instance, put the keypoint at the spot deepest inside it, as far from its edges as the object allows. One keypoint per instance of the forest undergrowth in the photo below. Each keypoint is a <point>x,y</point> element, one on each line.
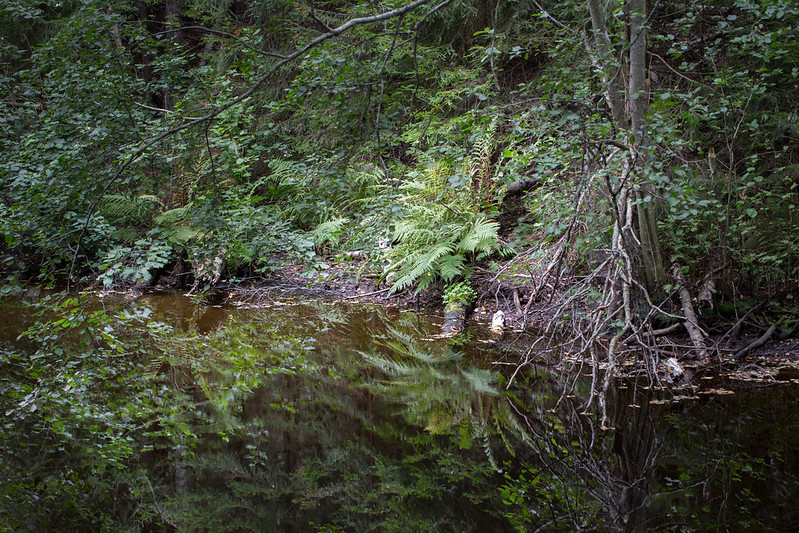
<point>621,177</point>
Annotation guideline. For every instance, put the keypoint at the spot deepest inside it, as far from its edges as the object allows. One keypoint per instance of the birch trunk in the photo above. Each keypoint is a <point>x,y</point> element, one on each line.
<point>610,68</point>
<point>632,117</point>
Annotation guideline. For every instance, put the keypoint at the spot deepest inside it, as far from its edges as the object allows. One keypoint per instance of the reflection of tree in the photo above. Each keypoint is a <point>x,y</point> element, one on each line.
<point>583,477</point>
<point>715,465</point>
<point>289,437</point>
<point>732,461</point>
<point>305,415</point>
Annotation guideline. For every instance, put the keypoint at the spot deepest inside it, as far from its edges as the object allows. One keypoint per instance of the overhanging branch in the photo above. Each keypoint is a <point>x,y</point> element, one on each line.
<point>239,99</point>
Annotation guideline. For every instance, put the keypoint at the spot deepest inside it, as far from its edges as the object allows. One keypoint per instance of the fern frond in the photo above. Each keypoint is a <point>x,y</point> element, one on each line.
<point>330,231</point>
<point>282,170</point>
<point>123,210</point>
<point>410,233</point>
<point>420,264</point>
<point>281,173</point>
<point>451,266</point>
<point>173,217</point>
<point>173,226</point>
<point>180,235</point>
<point>482,236</point>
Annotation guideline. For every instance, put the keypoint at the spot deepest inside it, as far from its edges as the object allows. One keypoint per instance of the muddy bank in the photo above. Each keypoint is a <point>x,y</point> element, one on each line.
<point>746,346</point>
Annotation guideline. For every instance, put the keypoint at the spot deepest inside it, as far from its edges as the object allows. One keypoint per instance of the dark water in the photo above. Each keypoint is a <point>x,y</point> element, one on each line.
<point>302,416</point>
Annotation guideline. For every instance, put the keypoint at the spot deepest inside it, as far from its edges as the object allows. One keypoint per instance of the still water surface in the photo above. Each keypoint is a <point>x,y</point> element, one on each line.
<point>308,416</point>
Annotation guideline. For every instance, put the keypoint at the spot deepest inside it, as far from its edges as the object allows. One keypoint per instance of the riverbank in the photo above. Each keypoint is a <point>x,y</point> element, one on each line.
<point>743,343</point>
<point>744,347</point>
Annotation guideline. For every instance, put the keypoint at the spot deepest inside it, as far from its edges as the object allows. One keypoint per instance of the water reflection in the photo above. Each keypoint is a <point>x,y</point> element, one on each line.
<point>690,466</point>
<point>299,426</point>
<point>308,416</point>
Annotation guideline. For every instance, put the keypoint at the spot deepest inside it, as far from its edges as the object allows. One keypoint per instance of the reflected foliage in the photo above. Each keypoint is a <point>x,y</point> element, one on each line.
<point>717,462</point>
<point>166,415</point>
<point>261,422</point>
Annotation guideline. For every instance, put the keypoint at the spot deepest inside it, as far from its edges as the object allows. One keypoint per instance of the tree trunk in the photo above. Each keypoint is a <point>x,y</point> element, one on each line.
<point>610,70</point>
<point>636,92</point>
<point>633,117</point>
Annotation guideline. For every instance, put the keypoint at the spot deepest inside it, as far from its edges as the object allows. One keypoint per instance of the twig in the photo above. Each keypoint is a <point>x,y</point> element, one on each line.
<point>654,333</point>
<point>683,76</point>
<point>317,19</point>
<point>368,293</point>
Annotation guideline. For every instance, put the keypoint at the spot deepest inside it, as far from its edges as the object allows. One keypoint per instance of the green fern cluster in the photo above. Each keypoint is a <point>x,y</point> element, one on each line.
<point>330,231</point>
<point>435,244</point>
<point>441,233</point>
<point>459,293</point>
<point>175,227</point>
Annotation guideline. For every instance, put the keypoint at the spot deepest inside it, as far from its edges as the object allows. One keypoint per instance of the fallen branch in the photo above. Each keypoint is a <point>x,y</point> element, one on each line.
<point>655,333</point>
<point>367,293</point>
<point>756,344</point>
<point>732,333</point>
<point>664,331</point>
<point>691,323</point>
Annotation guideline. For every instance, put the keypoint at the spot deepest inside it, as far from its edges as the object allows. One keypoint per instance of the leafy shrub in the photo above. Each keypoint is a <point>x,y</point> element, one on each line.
<point>136,263</point>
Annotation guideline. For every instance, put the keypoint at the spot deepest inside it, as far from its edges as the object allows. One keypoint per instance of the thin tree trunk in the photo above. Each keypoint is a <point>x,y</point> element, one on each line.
<point>637,86</point>
<point>638,101</point>
<point>610,70</point>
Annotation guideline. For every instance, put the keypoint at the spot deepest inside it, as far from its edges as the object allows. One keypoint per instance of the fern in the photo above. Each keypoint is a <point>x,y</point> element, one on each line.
<point>173,226</point>
<point>173,216</point>
<point>432,251</point>
<point>480,165</point>
<point>122,210</point>
<point>442,231</point>
<point>283,180</point>
<point>420,266</point>
<point>330,231</point>
<point>451,266</point>
<point>482,236</point>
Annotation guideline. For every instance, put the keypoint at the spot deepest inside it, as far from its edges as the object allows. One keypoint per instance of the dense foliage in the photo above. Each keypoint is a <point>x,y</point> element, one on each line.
<point>635,157</point>
<point>408,130</point>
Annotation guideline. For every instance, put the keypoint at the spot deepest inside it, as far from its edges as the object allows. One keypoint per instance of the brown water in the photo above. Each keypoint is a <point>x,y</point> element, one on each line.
<point>306,416</point>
